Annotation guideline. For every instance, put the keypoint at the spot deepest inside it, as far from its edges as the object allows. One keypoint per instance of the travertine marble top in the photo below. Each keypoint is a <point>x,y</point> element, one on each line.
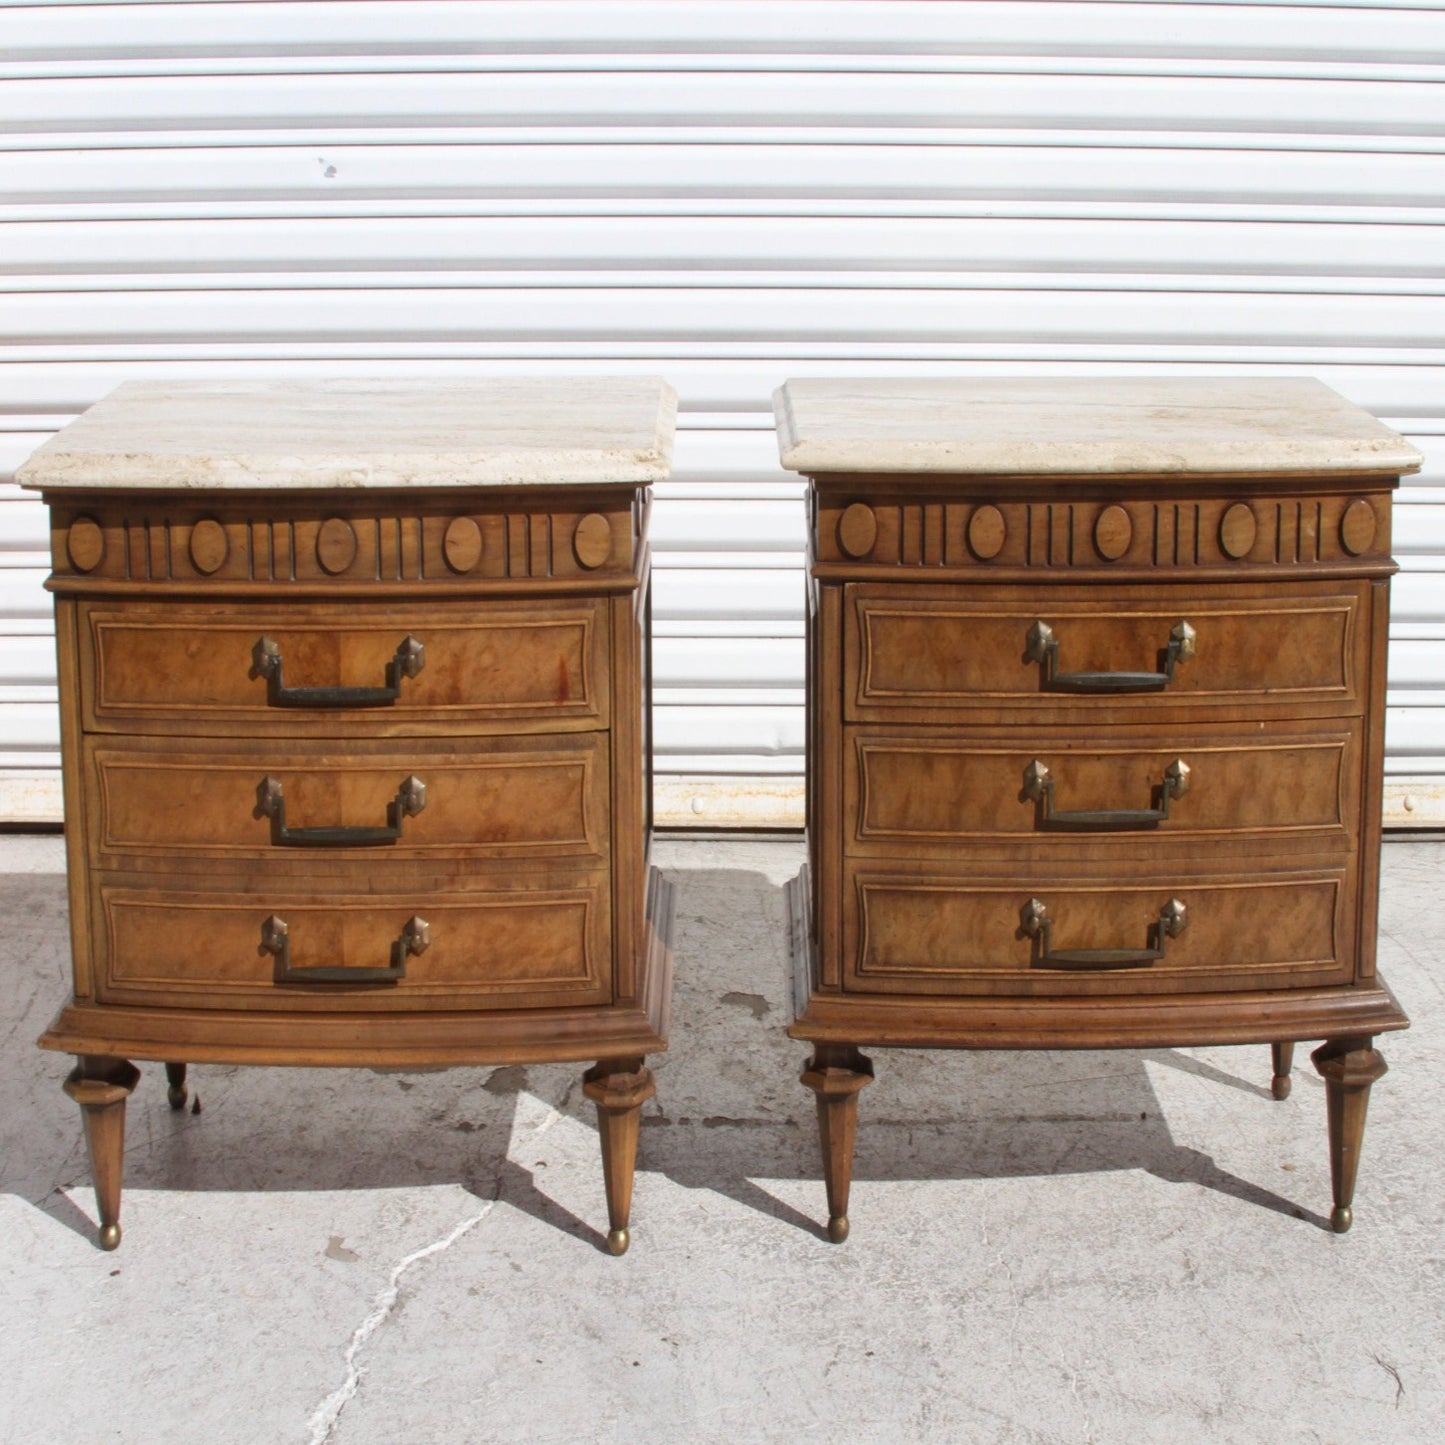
<point>1079,426</point>
<point>252,434</point>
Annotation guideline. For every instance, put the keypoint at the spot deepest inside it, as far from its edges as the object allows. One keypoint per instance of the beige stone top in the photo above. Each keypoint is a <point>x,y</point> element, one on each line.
<point>1081,427</point>
<point>301,434</point>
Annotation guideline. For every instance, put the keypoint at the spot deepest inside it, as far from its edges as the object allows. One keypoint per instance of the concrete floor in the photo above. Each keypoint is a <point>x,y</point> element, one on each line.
<point>1046,1247</point>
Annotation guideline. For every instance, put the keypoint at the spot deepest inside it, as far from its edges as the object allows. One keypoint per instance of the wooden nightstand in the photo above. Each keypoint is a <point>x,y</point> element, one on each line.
<point>1096,711</point>
<point>353,702</point>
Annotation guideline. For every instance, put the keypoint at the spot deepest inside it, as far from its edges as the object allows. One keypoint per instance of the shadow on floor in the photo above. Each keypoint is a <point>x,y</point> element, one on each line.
<point>729,1109</point>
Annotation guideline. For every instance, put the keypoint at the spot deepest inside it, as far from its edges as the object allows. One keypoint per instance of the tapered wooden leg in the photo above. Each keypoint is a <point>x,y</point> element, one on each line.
<point>1283,1063</point>
<point>1349,1066</point>
<point>619,1088</point>
<point>837,1073</point>
<point>101,1086</point>
<point>176,1085</point>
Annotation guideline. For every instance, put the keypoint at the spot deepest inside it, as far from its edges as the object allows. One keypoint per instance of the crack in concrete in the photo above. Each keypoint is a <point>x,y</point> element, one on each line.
<point>323,1421</point>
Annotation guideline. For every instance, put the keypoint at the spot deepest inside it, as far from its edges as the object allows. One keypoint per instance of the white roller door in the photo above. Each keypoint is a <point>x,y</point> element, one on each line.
<point>727,194</point>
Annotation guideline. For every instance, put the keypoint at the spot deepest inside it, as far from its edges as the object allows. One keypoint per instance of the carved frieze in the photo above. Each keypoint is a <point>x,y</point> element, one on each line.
<point>1100,534</point>
<point>158,540</point>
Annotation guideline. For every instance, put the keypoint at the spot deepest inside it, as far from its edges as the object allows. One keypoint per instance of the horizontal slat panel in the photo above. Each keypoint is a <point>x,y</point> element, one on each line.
<point>1419,532</point>
<point>28,726</point>
<point>643,98</point>
<point>1417,664</point>
<point>23,594</point>
<point>708,698</point>
<point>766,730</point>
<point>720,593</point>
<point>94,171</point>
<point>720,526</point>
<point>1415,732</point>
<point>741,663</point>
<point>25,530</point>
<point>701,319</point>
<point>1419,597</point>
<point>810,60</point>
<point>1397,29</point>
<point>26,662</point>
<point>731,627</point>
<point>961,286</point>
<point>780,560</point>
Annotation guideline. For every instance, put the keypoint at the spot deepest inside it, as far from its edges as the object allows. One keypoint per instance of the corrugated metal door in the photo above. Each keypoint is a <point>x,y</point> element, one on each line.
<point>727,194</point>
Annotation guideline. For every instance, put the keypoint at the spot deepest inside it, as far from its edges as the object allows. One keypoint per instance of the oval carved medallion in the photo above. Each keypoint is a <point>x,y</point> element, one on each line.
<point>85,544</point>
<point>462,544</point>
<point>592,541</point>
<point>1357,527</point>
<point>857,530</point>
<point>1237,530</point>
<point>209,546</point>
<point>987,532</point>
<point>335,545</point>
<point>1113,532</point>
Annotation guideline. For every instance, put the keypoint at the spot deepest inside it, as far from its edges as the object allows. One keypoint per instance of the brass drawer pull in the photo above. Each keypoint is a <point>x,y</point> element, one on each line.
<point>276,939</point>
<point>1038,925</point>
<point>1039,787</point>
<point>266,662</point>
<point>1043,648</point>
<point>271,803</point>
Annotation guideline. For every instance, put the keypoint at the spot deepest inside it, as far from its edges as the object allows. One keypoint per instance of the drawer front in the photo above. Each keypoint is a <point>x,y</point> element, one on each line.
<point>929,791</point>
<point>948,933</point>
<point>541,943</point>
<point>310,804</point>
<point>1068,654</point>
<point>368,670</point>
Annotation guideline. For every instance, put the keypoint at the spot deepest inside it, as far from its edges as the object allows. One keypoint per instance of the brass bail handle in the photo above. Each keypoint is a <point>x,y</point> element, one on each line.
<point>267,662</point>
<point>1039,788</point>
<point>415,937</point>
<point>1038,925</point>
<point>1042,647</point>
<point>271,803</point>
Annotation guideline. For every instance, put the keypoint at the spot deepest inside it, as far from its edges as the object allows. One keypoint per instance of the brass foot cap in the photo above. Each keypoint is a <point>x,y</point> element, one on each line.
<point>176,1096</point>
<point>109,1236</point>
<point>1280,1086</point>
<point>838,1228</point>
<point>617,1241</point>
<point>1341,1217</point>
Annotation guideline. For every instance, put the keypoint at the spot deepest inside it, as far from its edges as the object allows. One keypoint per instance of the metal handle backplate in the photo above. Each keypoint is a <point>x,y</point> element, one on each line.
<point>276,940</point>
<point>1039,926</point>
<point>271,803</point>
<point>1039,788</point>
<point>1042,647</point>
<point>266,661</point>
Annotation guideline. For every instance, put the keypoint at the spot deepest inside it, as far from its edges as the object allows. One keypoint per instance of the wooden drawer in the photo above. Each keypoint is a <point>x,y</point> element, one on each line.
<point>932,654</point>
<point>193,668</point>
<point>543,941</point>
<point>312,804</point>
<point>950,932</point>
<point>928,792</point>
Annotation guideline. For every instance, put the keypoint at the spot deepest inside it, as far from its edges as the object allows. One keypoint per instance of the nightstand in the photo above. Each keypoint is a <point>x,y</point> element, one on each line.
<point>354,685</point>
<point>1096,704</point>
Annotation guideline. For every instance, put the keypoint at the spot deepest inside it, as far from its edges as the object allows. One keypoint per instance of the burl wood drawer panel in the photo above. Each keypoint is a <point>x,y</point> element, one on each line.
<point>303,803</point>
<point>543,942</point>
<point>928,791</point>
<point>954,934</point>
<point>197,668</point>
<point>937,653</point>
